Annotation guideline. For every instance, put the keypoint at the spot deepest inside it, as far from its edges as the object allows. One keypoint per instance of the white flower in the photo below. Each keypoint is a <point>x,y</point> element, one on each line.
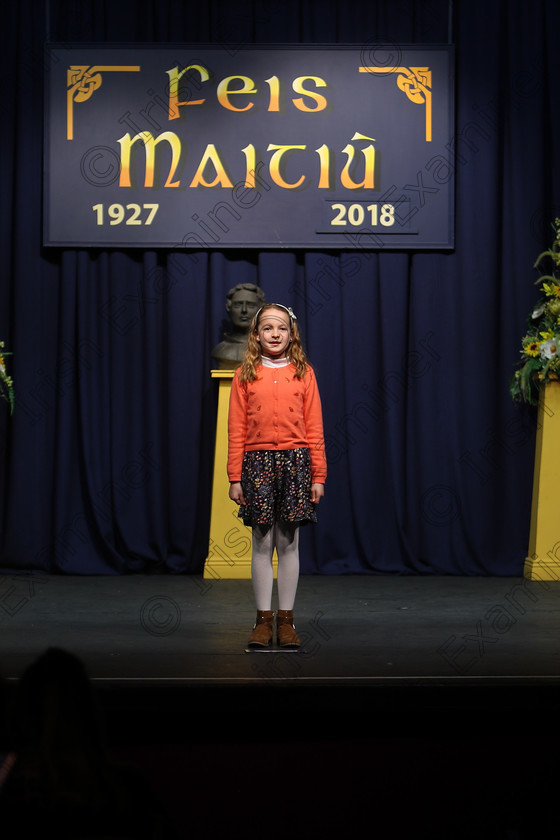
<point>538,311</point>
<point>549,349</point>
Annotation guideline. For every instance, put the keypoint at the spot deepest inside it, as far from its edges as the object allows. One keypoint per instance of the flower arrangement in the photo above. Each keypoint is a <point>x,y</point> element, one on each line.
<point>540,346</point>
<point>6,383</point>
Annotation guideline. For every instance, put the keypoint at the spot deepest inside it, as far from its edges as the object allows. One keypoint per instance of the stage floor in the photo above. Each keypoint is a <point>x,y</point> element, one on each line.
<point>356,630</point>
<point>426,704</point>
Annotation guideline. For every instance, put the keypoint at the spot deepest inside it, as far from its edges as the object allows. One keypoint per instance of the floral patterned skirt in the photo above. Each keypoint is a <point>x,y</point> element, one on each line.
<point>277,485</point>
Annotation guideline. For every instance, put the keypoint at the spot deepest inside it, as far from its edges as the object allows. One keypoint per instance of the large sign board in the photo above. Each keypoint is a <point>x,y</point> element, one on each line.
<point>197,146</point>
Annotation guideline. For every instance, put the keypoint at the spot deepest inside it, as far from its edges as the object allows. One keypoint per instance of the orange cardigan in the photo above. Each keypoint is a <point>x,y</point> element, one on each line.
<point>276,411</point>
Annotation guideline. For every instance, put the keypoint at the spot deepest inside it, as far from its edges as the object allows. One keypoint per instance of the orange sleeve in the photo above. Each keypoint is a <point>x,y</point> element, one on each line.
<point>314,429</point>
<point>237,428</point>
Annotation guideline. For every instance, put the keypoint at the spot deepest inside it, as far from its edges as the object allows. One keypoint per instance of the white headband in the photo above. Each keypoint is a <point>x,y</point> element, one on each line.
<point>287,309</point>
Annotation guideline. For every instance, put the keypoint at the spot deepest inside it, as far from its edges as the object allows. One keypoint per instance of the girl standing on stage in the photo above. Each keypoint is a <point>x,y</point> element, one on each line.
<point>276,461</point>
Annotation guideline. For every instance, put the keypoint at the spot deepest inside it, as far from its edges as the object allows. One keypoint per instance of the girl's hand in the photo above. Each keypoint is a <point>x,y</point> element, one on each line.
<point>236,493</point>
<point>317,493</point>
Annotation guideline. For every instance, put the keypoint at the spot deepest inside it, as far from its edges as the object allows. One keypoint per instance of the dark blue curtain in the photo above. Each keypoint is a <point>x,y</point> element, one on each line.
<point>106,464</point>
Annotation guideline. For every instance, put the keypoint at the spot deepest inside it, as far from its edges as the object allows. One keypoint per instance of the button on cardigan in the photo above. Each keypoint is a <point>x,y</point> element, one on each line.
<point>276,411</point>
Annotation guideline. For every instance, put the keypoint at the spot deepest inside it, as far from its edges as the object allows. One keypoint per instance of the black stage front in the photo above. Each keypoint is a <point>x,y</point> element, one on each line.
<point>416,699</point>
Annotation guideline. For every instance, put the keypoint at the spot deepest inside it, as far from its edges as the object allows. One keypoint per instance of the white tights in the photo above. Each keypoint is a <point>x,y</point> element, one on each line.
<point>285,538</point>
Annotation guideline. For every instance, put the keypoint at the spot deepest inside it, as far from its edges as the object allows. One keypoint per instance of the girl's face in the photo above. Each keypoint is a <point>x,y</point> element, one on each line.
<point>274,332</point>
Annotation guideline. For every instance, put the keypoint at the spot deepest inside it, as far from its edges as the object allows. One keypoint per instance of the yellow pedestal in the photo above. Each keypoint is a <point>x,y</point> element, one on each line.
<point>230,545</point>
<point>543,562</point>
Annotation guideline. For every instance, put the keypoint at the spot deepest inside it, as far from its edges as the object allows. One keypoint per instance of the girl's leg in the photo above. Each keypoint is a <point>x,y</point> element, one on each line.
<point>262,572</point>
<point>287,547</point>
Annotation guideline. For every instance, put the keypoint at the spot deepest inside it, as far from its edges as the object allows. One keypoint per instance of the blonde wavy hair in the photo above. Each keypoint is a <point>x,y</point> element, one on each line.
<point>253,355</point>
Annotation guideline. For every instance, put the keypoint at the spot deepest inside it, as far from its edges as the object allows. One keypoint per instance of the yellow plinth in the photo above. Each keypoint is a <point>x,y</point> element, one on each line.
<point>230,545</point>
<point>543,562</point>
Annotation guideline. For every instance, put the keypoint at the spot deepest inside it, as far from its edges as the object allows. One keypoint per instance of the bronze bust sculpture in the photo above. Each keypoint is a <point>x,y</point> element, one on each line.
<point>241,304</point>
